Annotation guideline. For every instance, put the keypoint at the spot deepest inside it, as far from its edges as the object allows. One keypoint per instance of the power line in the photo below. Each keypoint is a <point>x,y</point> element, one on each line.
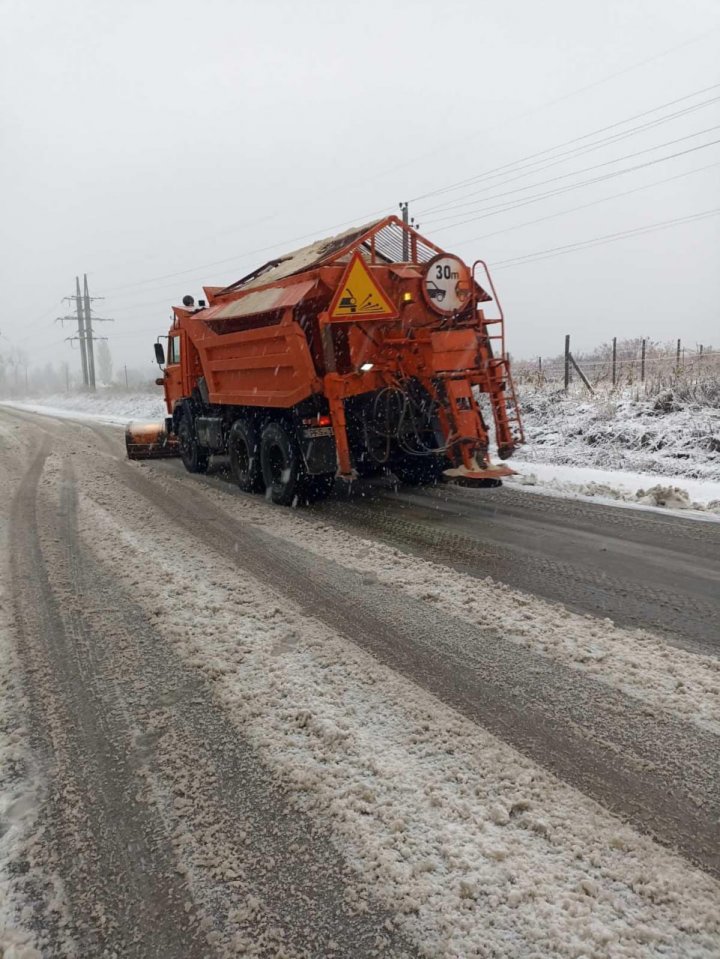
<point>532,168</point>
<point>525,201</point>
<point>385,209</point>
<point>481,132</point>
<point>584,206</point>
<point>502,208</point>
<point>600,240</point>
<point>36,322</point>
<point>239,256</point>
<point>540,153</point>
<point>561,99</point>
<point>136,306</point>
<point>490,212</point>
<point>571,173</point>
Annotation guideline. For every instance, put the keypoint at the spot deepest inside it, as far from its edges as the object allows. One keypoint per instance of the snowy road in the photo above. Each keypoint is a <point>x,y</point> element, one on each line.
<point>230,729</point>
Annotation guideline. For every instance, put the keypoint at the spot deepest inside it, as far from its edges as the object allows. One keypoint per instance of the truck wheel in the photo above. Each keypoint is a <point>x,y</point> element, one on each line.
<point>281,465</point>
<point>244,451</point>
<point>194,457</point>
<point>418,470</point>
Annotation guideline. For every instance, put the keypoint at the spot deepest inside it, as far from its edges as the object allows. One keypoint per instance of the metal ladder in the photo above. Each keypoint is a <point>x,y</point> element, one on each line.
<point>500,360</point>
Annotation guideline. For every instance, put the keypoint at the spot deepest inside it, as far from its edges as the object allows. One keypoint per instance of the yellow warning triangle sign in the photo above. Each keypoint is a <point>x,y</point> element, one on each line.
<point>359,297</point>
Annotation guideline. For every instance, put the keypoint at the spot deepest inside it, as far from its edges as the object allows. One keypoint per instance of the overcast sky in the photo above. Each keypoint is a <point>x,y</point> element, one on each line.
<point>141,139</point>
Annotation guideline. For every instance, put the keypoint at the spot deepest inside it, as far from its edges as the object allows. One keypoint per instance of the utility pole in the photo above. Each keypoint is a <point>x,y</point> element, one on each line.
<point>87,299</point>
<point>404,207</point>
<point>88,334</point>
<point>126,377</point>
<point>81,332</point>
<point>80,319</point>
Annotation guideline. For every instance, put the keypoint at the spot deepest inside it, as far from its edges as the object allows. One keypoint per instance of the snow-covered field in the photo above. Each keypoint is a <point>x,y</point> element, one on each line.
<point>660,435</point>
<point>657,452</point>
<point>618,451</point>
<point>107,406</point>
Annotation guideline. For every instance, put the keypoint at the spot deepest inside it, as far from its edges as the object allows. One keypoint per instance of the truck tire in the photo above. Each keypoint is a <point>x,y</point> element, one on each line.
<point>195,457</point>
<point>244,451</point>
<point>281,464</point>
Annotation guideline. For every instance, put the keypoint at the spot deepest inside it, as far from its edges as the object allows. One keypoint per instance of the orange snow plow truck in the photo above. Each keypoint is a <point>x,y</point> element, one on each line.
<point>364,352</point>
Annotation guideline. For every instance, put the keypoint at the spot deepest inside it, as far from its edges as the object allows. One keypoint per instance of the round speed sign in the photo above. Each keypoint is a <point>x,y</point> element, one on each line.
<point>447,285</point>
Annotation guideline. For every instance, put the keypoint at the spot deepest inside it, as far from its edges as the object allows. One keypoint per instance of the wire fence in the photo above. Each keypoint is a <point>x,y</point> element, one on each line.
<point>648,367</point>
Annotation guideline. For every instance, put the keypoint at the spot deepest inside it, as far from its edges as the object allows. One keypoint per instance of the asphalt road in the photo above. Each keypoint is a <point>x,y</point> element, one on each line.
<point>96,669</point>
<point>640,568</point>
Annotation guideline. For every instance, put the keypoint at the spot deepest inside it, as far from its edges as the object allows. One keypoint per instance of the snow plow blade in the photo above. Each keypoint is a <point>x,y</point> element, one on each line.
<point>483,476</point>
<point>149,441</point>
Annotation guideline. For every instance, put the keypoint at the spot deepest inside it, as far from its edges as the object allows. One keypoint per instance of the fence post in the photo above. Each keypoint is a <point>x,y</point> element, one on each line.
<point>642,363</point>
<point>567,362</point>
<point>614,375</point>
<point>582,375</point>
<point>677,359</point>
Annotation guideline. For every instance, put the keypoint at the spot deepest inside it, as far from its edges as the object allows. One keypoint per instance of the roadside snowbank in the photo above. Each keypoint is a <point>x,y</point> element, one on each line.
<point>620,487</point>
<point>478,850</point>
<point>105,406</point>
<point>661,436</point>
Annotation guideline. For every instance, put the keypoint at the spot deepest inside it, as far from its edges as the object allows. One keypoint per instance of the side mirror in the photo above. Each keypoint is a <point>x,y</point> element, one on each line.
<point>159,354</point>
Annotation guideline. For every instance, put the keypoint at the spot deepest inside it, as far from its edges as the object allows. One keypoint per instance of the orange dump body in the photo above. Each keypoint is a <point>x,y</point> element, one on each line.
<point>353,324</point>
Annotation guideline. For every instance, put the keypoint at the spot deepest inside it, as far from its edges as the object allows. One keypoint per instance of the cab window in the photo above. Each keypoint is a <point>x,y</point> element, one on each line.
<point>173,350</point>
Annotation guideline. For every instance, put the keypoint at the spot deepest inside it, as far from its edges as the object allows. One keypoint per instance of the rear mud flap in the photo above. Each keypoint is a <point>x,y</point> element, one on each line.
<point>318,450</point>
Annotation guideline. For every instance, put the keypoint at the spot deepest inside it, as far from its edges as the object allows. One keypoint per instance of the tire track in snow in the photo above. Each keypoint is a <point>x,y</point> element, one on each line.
<point>118,877</point>
<point>483,852</point>
<point>24,885</point>
<point>635,584</point>
<point>198,811</point>
<point>663,775</point>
